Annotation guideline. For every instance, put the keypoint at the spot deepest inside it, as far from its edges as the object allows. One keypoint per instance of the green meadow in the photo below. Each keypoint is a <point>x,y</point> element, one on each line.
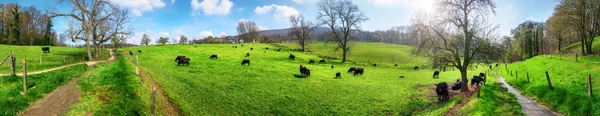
<point>58,56</point>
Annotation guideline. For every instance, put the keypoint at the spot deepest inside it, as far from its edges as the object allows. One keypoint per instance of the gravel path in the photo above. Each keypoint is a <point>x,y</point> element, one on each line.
<point>528,106</point>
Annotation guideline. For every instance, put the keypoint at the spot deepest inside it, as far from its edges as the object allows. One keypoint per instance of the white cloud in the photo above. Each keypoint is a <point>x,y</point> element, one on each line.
<point>303,1</point>
<point>178,31</point>
<point>164,34</point>
<point>172,1</point>
<point>204,34</point>
<point>243,20</point>
<point>263,27</point>
<point>222,34</point>
<point>137,7</point>
<point>282,13</point>
<point>211,7</point>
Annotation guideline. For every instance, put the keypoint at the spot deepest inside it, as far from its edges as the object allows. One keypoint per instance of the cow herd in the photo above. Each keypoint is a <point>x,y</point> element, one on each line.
<point>441,89</point>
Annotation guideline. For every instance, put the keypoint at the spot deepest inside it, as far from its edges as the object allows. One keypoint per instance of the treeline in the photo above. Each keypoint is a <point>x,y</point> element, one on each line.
<point>25,25</point>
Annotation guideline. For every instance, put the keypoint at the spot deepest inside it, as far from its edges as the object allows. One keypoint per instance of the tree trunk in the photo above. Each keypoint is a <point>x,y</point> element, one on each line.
<point>302,47</point>
<point>87,47</point>
<point>344,53</point>
<point>583,46</point>
<point>463,73</point>
<point>559,44</point>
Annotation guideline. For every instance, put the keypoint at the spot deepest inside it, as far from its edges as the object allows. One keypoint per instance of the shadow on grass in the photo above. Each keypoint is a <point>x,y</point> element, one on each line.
<point>299,76</point>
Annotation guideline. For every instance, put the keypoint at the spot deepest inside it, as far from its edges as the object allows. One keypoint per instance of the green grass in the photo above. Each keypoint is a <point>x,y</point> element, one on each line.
<point>576,47</point>
<point>111,89</point>
<point>569,79</point>
<point>49,60</point>
<point>11,102</point>
<point>440,109</point>
<point>495,100</point>
<point>388,54</point>
<point>270,86</point>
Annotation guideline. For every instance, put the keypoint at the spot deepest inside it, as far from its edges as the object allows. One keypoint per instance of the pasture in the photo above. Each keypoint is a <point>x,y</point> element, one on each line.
<point>58,56</point>
<point>272,84</point>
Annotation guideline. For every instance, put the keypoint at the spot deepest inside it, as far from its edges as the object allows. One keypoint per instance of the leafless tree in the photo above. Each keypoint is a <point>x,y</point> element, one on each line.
<point>145,39</point>
<point>301,30</point>
<point>459,36</point>
<point>342,17</point>
<point>248,31</point>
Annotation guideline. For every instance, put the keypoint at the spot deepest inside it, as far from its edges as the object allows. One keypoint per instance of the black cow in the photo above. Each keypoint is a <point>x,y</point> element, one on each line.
<point>246,62</point>
<point>456,86</point>
<point>182,61</point>
<point>441,89</point>
<point>436,74</point>
<point>278,50</point>
<point>214,56</point>
<point>242,45</point>
<point>247,54</point>
<point>130,53</point>
<point>490,67</point>
<point>46,49</point>
<point>496,65</point>
<point>331,66</point>
<point>235,47</point>
<point>251,48</point>
<point>476,80</point>
<point>395,64</point>
<point>304,71</point>
<point>292,57</point>
<point>374,64</point>
<point>351,69</point>
<point>338,75</point>
<point>179,58</point>
<point>311,62</point>
<point>139,51</point>
<point>267,48</point>
<point>444,70</point>
<point>359,71</point>
<point>321,61</point>
<point>416,68</point>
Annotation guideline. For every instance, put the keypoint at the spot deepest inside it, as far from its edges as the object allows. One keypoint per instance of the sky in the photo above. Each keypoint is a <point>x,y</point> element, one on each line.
<point>201,18</point>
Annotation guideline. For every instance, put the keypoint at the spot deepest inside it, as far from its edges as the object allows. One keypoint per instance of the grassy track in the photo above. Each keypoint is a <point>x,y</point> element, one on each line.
<point>495,100</point>
<point>12,102</point>
<point>271,84</point>
<point>111,89</point>
<point>569,79</point>
<point>49,60</point>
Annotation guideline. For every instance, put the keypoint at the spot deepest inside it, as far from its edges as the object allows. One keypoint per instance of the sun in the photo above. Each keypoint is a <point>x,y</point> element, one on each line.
<point>425,6</point>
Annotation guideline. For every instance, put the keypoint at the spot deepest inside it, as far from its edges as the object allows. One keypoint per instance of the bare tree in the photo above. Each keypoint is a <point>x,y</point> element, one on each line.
<point>248,31</point>
<point>459,36</point>
<point>301,30</point>
<point>183,39</point>
<point>342,17</point>
<point>145,39</point>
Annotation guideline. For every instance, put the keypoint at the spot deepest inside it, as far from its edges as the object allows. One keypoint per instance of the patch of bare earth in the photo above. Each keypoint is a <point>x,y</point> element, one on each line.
<point>166,105</point>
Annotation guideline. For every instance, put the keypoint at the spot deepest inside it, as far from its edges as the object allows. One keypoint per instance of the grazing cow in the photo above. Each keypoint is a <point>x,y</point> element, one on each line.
<point>436,74</point>
<point>331,66</point>
<point>251,48</point>
<point>374,64</point>
<point>444,70</point>
<point>214,56</point>
<point>179,58</point>
<point>359,71</point>
<point>304,71</point>
<point>130,53</point>
<point>351,69</point>
<point>139,51</point>
<point>182,61</point>
<point>267,48</point>
<point>292,57</point>
<point>246,62</point>
<point>395,64</point>
<point>46,49</point>
<point>456,86</point>
<point>322,61</point>
<point>416,68</point>
<point>278,50</point>
<point>338,75</point>
<point>401,77</point>
<point>496,65</point>
<point>441,89</point>
<point>311,62</point>
<point>242,45</point>
<point>476,80</point>
<point>490,67</point>
<point>235,46</point>
<point>247,54</point>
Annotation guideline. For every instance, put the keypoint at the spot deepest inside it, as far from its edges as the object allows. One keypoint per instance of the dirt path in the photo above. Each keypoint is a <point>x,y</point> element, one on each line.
<point>112,57</point>
<point>528,106</point>
<point>456,108</point>
<point>59,100</point>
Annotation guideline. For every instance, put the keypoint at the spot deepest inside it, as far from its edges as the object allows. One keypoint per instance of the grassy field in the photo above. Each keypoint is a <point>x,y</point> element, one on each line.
<point>569,79</point>
<point>49,60</point>
<point>272,84</point>
<point>111,89</point>
<point>11,102</point>
<point>381,53</point>
<point>576,47</point>
<point>495,100</point>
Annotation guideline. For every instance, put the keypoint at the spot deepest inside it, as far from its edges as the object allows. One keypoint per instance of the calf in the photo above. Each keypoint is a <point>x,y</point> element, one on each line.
<point>214,56</point>
<point>182,61</point>
<point>436,74</point>
<point>476,80</point>
<point>441,89</point>
<point>416,68</point>
<point>46,49</point>
<point>338,75</point>
<point>247,62</point>
<point>351,69</point>
<point>322,61</point>
<point>359,71</point>
<point>311,62</point>
<point>456,86</point>
<point>292,57</point>
<point>139,51</point>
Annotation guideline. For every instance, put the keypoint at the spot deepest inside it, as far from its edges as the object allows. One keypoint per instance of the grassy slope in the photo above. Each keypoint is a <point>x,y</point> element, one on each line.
<point>52,59</point>
<point>576,47</point>
<point>12,102</point>
<point>569,79</point>
<point>269,85</point>
<point>111,89</point>
<point>369,53</point>
<point>494,100</point>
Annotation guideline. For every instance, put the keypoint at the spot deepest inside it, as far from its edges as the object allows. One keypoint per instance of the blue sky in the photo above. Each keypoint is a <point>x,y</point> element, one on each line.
<point>200,18</point>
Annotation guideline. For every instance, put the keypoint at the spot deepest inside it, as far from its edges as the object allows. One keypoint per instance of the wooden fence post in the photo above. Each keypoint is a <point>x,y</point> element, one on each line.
<point>527,77</point>
<point>479,91</point>
<point>549,82</point>
<point>590,85</point>
<point>153,102</point>
<point>137,72</point>
<point>24,77</point>
<point>510,73</point>
<point>11,62</point>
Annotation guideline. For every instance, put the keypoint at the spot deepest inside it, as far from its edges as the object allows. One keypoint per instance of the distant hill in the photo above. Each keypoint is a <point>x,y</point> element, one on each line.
<point>284,32</point>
